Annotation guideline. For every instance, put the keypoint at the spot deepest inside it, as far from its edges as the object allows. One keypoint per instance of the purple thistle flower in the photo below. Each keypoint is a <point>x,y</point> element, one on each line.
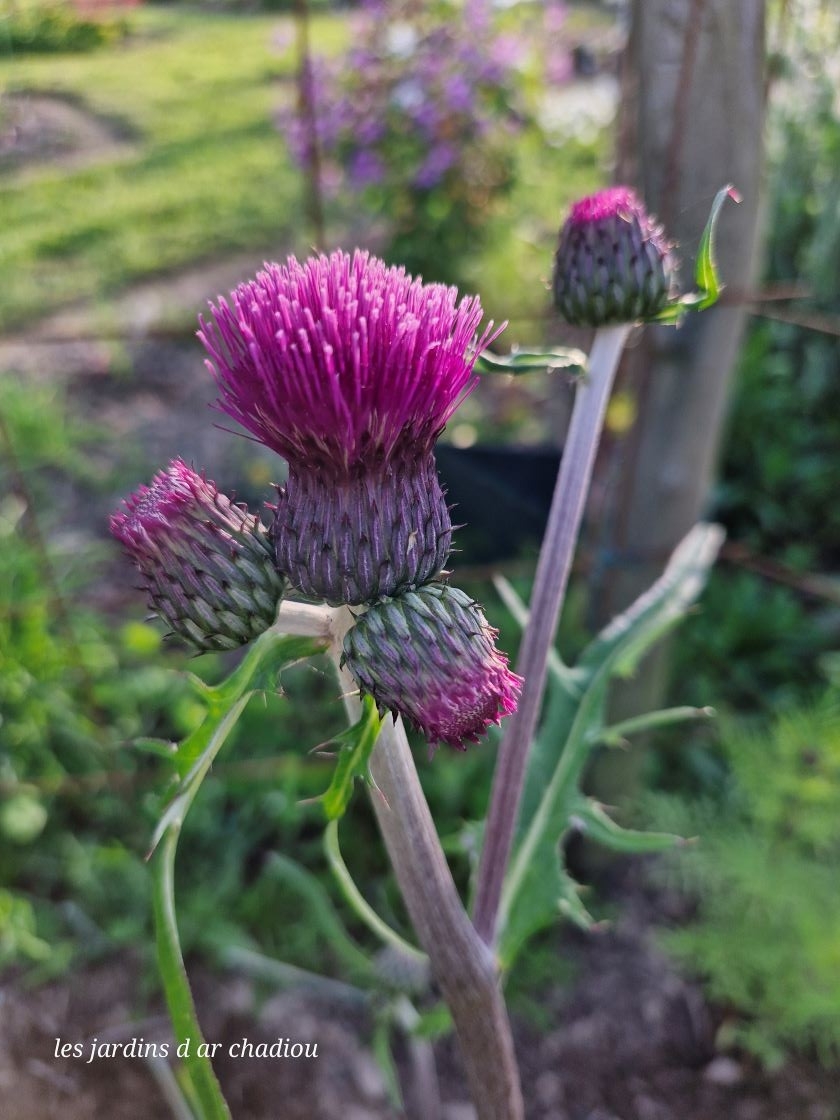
<point>613,263</point>
<point>350,370</point>
<point>208,564</point>
<point>430,656</point>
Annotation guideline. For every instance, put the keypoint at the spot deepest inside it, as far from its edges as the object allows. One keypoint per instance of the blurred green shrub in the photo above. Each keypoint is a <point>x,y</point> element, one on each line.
<point>766,932</point>
<point>753,646</point>
<point>780,459</point>
<point>54,27</point>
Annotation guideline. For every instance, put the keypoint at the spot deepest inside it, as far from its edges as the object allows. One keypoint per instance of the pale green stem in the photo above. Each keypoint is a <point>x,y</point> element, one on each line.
<point>211,1103</point>
<point>356,900</point>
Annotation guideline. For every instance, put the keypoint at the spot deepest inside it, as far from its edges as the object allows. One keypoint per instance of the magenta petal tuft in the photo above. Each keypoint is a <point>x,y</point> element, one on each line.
<point>336,362</point>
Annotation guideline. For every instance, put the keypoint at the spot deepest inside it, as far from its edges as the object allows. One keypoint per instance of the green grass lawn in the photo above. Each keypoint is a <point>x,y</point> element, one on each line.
<point>206,174</point>
<point>201,170</point>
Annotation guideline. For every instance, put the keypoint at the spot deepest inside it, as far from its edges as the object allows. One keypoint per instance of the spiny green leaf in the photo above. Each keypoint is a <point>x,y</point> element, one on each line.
<point>355,748</point>
<point>161,748</point>
<point>260,667</point>
<point>624,640</point>
<point>225,702</point>
<point>571,905</point>
<point>201,748</point>
<point>565,358</point>
<point>536,878</point>
<point>590,818</point>
<point>548,890</point>
<point>705,273</point>
<point>434,1022</point>
<point>616,734</point>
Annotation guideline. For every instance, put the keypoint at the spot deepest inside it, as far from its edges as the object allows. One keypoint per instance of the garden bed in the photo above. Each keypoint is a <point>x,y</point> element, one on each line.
<point>628,1039</point>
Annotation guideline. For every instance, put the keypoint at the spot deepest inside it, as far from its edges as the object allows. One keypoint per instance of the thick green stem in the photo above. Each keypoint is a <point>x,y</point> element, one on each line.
<point>461,963</point>
<point>552,576</point>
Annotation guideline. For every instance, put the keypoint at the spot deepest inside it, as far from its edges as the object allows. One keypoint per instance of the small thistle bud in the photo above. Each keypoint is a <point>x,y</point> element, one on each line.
<point>613,263</point>
<point>208,564</point>
<point>430,656</point>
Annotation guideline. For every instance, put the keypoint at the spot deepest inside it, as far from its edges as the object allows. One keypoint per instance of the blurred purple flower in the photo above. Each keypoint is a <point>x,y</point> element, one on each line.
<point>459,94</point>
<point>559,68</point>
<point>433,168</point>
<point>366,168</point>
<point>507,52</point>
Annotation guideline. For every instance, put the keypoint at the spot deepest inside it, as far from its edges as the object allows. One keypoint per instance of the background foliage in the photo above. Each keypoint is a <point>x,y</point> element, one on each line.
<point>196,170</point>
<point>766,933</point>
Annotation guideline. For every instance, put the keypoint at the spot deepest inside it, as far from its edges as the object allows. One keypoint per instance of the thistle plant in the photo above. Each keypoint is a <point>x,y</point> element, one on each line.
<point>429,655</point>
<point>349,370</point>
<point>613,263</point>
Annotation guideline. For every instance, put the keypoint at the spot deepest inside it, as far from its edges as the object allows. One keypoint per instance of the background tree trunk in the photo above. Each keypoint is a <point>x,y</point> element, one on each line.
<point>692,120</point>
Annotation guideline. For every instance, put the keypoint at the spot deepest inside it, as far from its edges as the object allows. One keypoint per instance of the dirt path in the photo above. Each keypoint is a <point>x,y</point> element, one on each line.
<point>43,129</point>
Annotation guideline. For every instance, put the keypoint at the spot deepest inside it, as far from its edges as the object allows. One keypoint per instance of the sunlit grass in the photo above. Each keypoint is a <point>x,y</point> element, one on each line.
<point>201,170</point>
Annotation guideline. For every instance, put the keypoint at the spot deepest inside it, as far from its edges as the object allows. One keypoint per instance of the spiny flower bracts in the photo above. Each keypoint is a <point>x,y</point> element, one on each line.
<point>207,563</point>
<point>613,263</point>
<point>382,532</point>
<point>430,656</point>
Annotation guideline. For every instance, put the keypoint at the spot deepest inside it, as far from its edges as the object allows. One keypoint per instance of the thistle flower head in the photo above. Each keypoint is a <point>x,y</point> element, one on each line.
<point>338,362</point>
<point>430,656</point>
<point>613,263</point>
<point>207,563</point>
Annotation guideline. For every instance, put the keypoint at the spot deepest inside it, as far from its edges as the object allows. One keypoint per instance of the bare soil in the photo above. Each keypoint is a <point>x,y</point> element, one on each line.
<point>630,1039</point>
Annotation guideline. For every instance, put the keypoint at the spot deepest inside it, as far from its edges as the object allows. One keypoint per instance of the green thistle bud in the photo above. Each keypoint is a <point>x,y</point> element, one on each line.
<point>613,263</point>
<point>430,655</point>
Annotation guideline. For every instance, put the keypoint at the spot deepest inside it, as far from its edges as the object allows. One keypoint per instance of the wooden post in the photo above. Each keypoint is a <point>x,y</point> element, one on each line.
<point>692,120</point>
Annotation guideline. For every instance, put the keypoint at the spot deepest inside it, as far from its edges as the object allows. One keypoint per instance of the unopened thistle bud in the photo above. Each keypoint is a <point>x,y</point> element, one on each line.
<point>207,563</point>
<point>349,369</point>
<point>613,263</point>
<point>430,656</point>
